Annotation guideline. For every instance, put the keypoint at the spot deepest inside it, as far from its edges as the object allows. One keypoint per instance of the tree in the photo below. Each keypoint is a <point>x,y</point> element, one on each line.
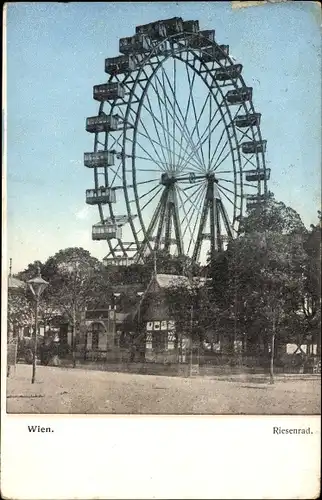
<point>274,216</point>
<point>76,283</point>
<point>311,301</point>
<point>259,280</point>
<point>268,263</point>
<point>20,312</point>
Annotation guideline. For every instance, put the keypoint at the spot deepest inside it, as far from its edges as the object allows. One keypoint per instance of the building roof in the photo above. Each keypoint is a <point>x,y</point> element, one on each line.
<point>14,283</point>
<point>170,280</point>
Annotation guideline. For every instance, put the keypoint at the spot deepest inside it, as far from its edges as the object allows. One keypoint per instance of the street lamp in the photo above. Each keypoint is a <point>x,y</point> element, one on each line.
<point>115,296</point>
<point>139,294</point>
<point>36,285</point>
<point>135,341</point>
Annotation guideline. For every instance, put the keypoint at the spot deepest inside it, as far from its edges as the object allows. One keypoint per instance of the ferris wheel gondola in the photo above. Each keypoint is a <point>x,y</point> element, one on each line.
<point>178,152</point>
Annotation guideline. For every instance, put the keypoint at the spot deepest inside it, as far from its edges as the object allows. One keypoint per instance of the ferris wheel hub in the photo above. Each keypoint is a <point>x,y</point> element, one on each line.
<point>168,179</point>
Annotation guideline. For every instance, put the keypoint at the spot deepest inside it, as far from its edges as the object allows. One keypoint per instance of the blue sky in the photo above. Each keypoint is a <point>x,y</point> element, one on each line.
<point>55,54</point>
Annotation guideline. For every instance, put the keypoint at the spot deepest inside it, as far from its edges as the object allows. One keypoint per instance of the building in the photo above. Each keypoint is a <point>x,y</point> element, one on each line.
<point>158,336</point>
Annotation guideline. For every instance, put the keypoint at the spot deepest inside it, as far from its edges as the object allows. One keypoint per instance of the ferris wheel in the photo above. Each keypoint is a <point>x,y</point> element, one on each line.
<point>178,153</point>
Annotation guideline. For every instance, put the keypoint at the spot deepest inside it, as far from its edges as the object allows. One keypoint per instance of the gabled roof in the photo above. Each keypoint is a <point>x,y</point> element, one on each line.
<point>14,283</point>
<point>166,281</point>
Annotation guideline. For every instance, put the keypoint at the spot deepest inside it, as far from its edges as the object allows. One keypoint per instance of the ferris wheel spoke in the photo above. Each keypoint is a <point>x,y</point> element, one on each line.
<point>146,182</point>
<point>153,142</point>
<point>217,165</point>
<point>204,140</point>
<point>153,160</point>
<point>145,158</point>
<point>222,192</point>
<point>186,115</point>
<point>184,131</point>
<point>147,136</point>
<point>198,131</point>
<point>237,183</point>
<point>192,195</point>
<point>174,109</point>
<point>189,138</point>
<point>151,199</point>
<point>164,129</point>
<point>226,172</point>
<point>229,190</point>
<point>144,170</point>
<point>166,110</point>
<point>172,137</point>
<point>218,144</point>
<point>175,119</point>
<point>156,128</point>
<point>201,141</point>
<point>195,146</point>
<point>148,192</point>
<point>192,186</point>
<point>221,152</point>
<point>209,135</point>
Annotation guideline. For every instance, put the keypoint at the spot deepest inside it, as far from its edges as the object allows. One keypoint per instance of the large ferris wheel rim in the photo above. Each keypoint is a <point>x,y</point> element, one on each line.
<point>162,58</point>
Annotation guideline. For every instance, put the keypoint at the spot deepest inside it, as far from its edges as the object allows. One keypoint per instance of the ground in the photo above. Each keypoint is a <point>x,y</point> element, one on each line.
<point>68,390</point>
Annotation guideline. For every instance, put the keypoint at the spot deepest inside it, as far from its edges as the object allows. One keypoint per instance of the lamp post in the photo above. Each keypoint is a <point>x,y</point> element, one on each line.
<point>116,295</point>
<point>191,337</point>
<point>139,295</point>
<point>36,285</point>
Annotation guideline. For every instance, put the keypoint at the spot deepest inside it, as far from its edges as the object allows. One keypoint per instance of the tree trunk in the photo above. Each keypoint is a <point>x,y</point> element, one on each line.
<point>271,367</point>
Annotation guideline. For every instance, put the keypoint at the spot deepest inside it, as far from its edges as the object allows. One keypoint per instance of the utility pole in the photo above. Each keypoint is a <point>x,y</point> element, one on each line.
<point>271,370</point>
<point>191,337</point>
<point>74,335</point>
<point>34,361</point>
<point>36,286</point>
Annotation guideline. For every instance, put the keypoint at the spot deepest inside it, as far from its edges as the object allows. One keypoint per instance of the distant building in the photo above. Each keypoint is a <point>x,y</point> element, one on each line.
<point>137,324</point>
